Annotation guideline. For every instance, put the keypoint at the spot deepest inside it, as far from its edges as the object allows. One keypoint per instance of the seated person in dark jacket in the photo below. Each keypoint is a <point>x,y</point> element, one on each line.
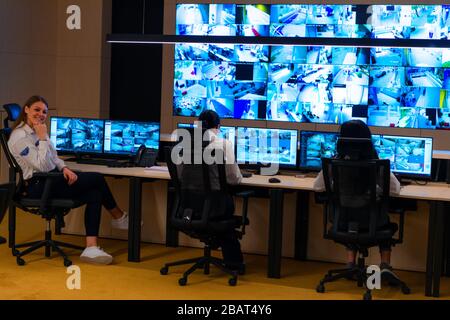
<point>358,129</point>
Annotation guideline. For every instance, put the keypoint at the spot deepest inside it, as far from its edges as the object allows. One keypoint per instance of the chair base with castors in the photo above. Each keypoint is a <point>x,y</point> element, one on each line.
<point>359,274</point>
<point>49,244</point>
<point>204,263</point>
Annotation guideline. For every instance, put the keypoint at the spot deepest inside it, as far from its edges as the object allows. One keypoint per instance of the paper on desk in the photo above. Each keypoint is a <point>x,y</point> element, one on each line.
<point>157,168</point>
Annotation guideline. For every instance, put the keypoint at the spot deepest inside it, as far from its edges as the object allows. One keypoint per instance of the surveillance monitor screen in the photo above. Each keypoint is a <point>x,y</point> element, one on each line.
<point>125,137</point>
<point>264,146</point>
<point>314,146</point>
<point>409,156</point>
<point>77,135</point>
<point>404,87</point>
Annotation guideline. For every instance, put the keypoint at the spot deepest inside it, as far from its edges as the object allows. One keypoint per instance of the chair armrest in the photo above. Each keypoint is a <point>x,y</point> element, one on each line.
<point>49,177</point>
<point>48,174</point>
<point>320,197</point>
<point>245,195</point>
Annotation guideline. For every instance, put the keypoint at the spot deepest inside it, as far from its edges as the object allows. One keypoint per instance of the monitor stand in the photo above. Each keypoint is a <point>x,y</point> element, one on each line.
<point>267,171</point>
<point>403,181</point>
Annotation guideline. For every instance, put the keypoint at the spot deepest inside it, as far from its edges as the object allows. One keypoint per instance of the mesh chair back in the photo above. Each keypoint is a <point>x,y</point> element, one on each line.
<point>358,194</point>
<point>200,186</point>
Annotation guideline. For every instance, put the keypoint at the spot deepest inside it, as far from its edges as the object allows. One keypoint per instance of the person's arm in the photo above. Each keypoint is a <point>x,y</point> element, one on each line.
<point>56,160</point>
<point>234,175</point>
<point>394,187</point>
<point>319,183</point>
<point>34,155</point>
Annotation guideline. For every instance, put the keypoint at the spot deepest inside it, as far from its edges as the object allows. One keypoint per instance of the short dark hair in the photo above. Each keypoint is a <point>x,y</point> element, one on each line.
<point>210,119</point>
<point>357,129</point>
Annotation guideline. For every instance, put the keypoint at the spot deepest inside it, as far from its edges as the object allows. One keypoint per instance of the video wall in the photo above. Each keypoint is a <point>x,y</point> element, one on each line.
<point>392,87</point>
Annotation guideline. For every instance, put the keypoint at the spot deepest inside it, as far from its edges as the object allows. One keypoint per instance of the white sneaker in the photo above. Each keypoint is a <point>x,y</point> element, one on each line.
<point>121,223</point>
<point>95,255</point>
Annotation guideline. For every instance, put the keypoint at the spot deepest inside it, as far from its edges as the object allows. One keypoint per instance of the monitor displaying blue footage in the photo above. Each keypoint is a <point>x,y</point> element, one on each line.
<point>388,87</point>
<point>125,137</point>
<point>315,145</point>
<point>77,135</point>
<point>409,156</point>
<point>264,146</point>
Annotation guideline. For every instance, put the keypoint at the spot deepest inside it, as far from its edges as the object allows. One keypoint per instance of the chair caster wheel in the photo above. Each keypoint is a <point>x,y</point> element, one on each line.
<point>67,263</point>
<point>232,282</point>
<point>320,288</point>
<point>20,262</point>
<point>367,296</point>
<point>164,271</point>
<point>406,290</point>
<point>15,252</point>
<point>182,281</point>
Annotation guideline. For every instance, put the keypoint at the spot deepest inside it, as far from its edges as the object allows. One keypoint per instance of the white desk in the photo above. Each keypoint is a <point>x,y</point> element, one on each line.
<point>441,154</point>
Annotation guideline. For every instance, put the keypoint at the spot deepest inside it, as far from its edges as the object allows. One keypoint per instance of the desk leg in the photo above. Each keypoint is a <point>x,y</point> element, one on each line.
<point>439,238</point>
<point>171,233</point>
<point>445,247</point>
<point>135,217</point>
<point>275,233</point>
<point>301,225</point>
<point>448,171</point>
<point>430,249</point>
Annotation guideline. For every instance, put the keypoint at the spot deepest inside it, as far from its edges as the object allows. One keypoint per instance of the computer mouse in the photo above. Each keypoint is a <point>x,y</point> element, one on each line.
<point>274,180</point>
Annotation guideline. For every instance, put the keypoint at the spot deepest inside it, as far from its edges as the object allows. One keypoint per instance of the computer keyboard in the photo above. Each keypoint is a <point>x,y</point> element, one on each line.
<point>99,162</point>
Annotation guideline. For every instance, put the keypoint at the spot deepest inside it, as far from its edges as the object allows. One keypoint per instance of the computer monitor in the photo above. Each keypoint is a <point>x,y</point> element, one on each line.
<point>125,137</point>
<point>225,132</point>
<point>315,145</point>
<point>77,135</point>
<point>410,156</point>
<point>260,146</point>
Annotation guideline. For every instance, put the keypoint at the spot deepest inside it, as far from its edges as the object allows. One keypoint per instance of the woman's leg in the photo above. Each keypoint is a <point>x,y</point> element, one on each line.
<point>60,189</point>
<point>96,181</point>
<point>90,188</point>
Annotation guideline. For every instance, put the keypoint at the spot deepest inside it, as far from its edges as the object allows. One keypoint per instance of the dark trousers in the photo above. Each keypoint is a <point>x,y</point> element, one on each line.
<point>90,188</point>
<point>231,247</point>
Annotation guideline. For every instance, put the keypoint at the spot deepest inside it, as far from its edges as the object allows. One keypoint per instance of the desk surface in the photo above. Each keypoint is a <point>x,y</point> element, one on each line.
<point>126,172</point>
<point>441,154</point>
<point>431,191</point>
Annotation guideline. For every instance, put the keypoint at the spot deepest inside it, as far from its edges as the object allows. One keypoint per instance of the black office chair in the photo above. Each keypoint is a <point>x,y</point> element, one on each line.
<point>6,191</point>
<point>357,204</point>
<point>197,211</point>
<point>47,207</point>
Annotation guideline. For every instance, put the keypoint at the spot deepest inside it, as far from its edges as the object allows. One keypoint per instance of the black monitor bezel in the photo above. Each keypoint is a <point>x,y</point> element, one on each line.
<point>247,165</point>
<point>310,168</point>
<point>422,176</point>
<point>128,154</point>
<point>73,152</point>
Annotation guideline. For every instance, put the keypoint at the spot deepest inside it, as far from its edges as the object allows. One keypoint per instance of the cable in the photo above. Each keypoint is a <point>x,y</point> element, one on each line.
<point>421,183</point>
